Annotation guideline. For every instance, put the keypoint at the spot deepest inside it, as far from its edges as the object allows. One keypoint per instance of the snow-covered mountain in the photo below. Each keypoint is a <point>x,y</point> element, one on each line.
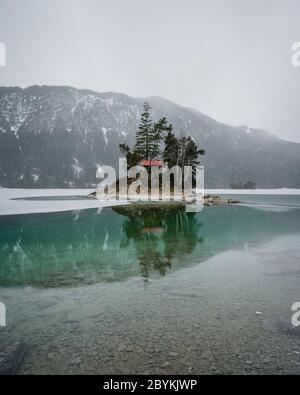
<point>57,136</point>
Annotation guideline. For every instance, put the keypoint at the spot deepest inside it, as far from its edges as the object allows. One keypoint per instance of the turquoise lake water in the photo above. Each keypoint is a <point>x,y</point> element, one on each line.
<point>88,246</point>
<point>94,291</point>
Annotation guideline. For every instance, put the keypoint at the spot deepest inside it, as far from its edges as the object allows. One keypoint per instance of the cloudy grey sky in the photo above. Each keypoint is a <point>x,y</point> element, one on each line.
<point>230,59</point>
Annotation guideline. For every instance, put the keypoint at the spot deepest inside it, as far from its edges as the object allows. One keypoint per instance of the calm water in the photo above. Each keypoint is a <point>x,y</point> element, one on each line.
<point>99,291</point>
<point>92,246</point>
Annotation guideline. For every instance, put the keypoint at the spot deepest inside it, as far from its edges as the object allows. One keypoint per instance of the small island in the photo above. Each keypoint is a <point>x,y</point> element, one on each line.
<point>157,147</point>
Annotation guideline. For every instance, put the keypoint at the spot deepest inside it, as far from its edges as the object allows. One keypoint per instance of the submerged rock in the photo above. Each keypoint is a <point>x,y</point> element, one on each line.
<point>12,357</point>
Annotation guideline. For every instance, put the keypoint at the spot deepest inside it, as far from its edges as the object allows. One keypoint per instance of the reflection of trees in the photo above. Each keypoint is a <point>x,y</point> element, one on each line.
<point>160,236</point>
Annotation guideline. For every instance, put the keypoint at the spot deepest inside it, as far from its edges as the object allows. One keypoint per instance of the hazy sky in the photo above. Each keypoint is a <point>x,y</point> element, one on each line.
<point>230,59</point>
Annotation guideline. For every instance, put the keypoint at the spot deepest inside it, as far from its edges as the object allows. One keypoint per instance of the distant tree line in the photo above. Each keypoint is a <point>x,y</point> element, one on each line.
<point>240,185</point>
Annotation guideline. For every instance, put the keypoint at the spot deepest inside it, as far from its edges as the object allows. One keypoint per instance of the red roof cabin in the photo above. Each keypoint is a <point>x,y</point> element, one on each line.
<point>146,163</point>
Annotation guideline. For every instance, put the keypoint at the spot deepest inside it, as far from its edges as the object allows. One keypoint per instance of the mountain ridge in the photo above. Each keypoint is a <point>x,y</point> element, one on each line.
<point>56,136</point>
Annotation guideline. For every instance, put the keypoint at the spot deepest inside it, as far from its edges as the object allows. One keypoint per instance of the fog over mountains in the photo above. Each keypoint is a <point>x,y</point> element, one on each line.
<point>57,136</point>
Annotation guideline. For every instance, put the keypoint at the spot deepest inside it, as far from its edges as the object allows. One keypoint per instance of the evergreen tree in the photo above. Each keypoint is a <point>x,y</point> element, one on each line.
<point>189,155</point>
<point>170,154</point>
<point>189,152</point>
<point>133,157</point>
<point>150,135</point>
<point>144,135</point>
<point>159,129</point>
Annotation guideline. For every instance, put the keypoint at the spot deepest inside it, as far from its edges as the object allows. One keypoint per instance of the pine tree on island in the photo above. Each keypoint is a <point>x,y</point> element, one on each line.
<point>157,145</point>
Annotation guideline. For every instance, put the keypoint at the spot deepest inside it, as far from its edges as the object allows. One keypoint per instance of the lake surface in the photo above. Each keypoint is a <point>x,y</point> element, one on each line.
<point>94,291</point>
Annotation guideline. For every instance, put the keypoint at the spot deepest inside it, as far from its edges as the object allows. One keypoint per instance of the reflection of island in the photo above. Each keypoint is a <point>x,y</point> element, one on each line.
<point>159,236</point>
<point>92,246</point>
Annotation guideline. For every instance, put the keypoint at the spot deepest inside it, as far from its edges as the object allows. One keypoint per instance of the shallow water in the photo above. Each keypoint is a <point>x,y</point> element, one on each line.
<point>94,291</point>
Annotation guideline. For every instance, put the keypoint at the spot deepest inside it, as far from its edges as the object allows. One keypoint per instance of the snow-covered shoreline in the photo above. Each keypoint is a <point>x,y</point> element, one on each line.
<point>13,207</point>
<point>8,206</point>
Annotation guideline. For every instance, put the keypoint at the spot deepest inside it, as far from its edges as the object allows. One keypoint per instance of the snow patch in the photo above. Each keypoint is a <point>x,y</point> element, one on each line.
<point>77,169</point>
<point>86,103</point>
<point>35,175</point>
<point>104,131</point>
<point>13,207</point>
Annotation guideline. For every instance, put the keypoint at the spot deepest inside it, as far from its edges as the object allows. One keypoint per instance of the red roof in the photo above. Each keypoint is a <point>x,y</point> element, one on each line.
<point>146,162</point>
